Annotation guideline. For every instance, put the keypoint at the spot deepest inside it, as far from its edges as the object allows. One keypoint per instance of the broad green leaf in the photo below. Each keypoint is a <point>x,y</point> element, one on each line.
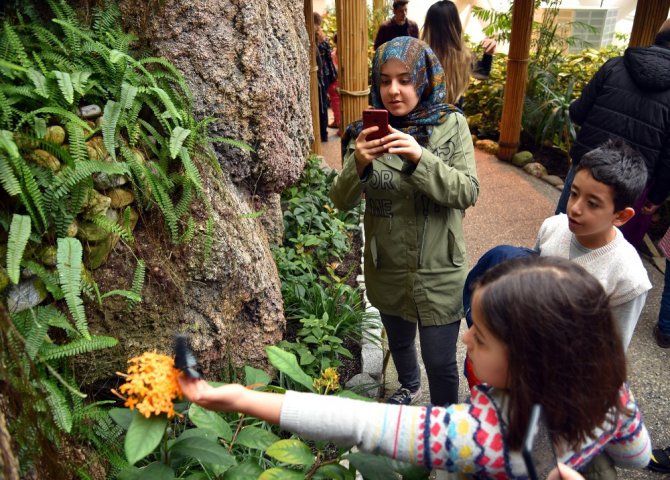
<point>211,420</point>
<point>286,363</point>
<point>153,471</point>
<point>197,432</point>
<point>333,471</point>
<point>255,376</point>
<point>278,473</point>
<point>372,467</point>
<point>144,435</point>
<point>254,437</point>
<point>123,416</point>
<point>203,450</point>
<point>65,83</point>
<point>19,232</point>
<point>40,82</point>
<point>244,471</point>
<point>291,451</point>
<point>177,139</point>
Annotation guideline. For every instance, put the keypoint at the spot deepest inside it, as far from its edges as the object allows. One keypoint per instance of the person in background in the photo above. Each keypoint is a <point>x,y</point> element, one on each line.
<point>527,315</point>
<point>629,98</point>
<point>397,26</point>
<point>333,94</point>
<point>443,31</point>
<point>327,74</point>
<point>417,180</point>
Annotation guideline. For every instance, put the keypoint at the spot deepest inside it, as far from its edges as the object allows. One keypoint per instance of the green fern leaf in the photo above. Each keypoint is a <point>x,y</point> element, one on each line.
<point>60,409</point>
<point>38,333</point>
<point>113,227</point>
<point>230,141</point>
<point>7,177</point>
<point>7,143</point>
<point>40,82</point>
<point>69,272</point>
<point>15,44</point>
<point>185,200</point>
<point>127,294</point>
<point>50,279</point>
<point>189,233</point>
<point>110,118</point>
<point>177,138</point>
<point>59,112</point>
<point>65,83</point>
<point>79,80</point>
<point>138,282</point>
<point>69,177</point>
<point>30,194</point>
<point>128,94</point>
<point>190,169</point>
<point>167,102</point>
<point>77,144</point>
<point>164,203</point>
<point>209,238</point>
<point>76,347</point>
<point>19,232</point>
<point>6,109</point>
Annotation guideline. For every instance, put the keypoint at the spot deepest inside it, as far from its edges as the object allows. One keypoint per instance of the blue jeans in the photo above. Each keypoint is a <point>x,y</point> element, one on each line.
<point>664,313</point>
<point>438,352</point>
<point>562,205</point>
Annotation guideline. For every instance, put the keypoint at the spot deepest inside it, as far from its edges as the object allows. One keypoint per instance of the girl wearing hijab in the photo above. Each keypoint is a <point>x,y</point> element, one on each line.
<point>417,180</point>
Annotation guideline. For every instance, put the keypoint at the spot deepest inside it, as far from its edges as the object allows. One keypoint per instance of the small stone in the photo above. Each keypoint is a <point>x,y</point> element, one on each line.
<point>523,158</point>
<point>25,295</point>
<point>45,159</point>
<point>98,253</point>
<point>96,204</point>
<point>72,229</point>
<point>90,111</point>
<point>55,134</point>
<point>554,180</point>
<point>488,146</point>
<point>120,197</point>
<point>90,232</point>
<point>363,384</point>
<point>535,169</point>
<point>49,256</point>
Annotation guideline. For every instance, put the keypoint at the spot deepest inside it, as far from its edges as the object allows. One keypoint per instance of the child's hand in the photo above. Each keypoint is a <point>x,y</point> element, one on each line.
<point>202,393</point>
<point>403,144</point>
<point>366,151</point>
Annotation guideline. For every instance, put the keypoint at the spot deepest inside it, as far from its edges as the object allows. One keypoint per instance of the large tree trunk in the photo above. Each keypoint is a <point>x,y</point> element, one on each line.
<point>247,64</point>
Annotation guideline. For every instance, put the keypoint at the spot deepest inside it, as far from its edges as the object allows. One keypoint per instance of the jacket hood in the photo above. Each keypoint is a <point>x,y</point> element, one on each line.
<point>649,67</point>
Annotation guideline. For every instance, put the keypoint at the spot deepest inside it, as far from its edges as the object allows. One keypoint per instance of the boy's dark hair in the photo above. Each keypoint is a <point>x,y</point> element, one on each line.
<point>617,165</point>
<point>555,320</point>
<point>400,3</point>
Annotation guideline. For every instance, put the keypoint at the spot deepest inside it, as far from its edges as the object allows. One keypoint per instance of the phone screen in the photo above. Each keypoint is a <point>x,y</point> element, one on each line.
<point>538,449</point>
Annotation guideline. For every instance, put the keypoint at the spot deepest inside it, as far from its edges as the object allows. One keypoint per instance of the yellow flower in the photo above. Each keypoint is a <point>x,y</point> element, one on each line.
<point>329,381</point>
<point>151,384</point>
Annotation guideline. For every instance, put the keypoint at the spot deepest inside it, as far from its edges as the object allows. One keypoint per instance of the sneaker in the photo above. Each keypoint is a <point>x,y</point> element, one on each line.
<point>660,460</point>
<point>404,397</point>
<point>662,339</point>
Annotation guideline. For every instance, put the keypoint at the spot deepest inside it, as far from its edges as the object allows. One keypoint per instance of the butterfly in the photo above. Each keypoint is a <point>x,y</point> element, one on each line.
<point>184,359</point>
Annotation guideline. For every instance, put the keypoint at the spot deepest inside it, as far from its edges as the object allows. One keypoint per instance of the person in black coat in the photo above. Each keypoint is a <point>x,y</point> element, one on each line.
<point>629,98</point>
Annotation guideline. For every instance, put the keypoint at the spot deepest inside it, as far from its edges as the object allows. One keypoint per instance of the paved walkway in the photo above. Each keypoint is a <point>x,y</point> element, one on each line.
<point>510,210</point>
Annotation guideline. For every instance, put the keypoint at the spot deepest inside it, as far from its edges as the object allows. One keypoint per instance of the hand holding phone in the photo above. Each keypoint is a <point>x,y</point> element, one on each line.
<point>376,117</point>
<point>538,448</point>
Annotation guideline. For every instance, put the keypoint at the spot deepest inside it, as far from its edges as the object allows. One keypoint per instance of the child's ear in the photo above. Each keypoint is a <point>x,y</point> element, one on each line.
<point>622,216</point>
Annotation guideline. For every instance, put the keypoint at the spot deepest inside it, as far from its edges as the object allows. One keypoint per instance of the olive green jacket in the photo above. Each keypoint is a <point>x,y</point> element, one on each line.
<point>415,262</point>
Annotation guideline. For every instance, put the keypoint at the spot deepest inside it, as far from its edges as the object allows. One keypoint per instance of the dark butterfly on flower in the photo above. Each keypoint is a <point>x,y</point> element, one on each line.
<point>184,359</point>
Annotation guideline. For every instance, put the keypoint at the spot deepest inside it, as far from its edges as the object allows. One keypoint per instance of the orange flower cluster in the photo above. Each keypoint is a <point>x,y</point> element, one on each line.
<point>151,384</point>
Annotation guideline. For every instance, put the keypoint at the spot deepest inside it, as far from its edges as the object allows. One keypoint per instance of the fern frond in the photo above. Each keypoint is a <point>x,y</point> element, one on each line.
<point>77,144</point>
<point>167,102</point>
<point>6,110</point>
<point>54,59</point>
<point>30,194</point>
<point>177,138</point>
<point>69,177</point>
<point>50,279</point>
<point>16,46</point>
<point>230,141</point>
<point>158,113</point>
<point>38,332</point>
<point>175,75</point>
<point>79,80</point>
<point>15,91</point>
<point>209,239</point>
<point>188,233</point>
<point>69,272</point>
<point>191,170</point>
<point>131,123</point>
<point>19,232</point>
<point>65,84</point>
<point>127,294</point>
<point>78,196</point>
<point>58,112</point>
<point>110,118</point>
<point>185,200</point>
<point>76,347</point>
<point>106,19</point>
<point>60,409</point>
<point>40,82</point>
<point>8,178</point>
<point>113,227</point>
<point>162,199</point>
<point>47,37</point>
<point>138,282</point>
<point>128,94</point>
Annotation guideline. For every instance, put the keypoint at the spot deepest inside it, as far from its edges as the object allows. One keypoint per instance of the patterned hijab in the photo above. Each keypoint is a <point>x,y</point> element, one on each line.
<point>428,78</point>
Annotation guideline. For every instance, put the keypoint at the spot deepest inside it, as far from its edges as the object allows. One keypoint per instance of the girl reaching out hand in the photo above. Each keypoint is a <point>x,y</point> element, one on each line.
<point>537,322</point>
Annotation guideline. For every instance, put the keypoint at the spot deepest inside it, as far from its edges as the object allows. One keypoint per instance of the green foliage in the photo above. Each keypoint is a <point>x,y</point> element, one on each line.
<point>19,232</point>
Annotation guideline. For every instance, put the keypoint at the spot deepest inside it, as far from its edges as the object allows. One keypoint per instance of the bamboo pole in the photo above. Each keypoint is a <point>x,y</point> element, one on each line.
<point>313,79</point>
<point>517,78</point>
<point>352,48</point>
<point>649,15</point>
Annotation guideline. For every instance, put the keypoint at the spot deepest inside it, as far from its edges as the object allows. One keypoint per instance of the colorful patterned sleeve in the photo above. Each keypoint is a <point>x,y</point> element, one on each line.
<point>463,437</point>
<point>630,447</point>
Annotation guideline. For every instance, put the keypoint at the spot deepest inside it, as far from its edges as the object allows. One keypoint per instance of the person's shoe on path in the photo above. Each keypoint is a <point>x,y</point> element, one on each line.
<point>662,340</point>
<point>660,460</point>
<point>403,396</point>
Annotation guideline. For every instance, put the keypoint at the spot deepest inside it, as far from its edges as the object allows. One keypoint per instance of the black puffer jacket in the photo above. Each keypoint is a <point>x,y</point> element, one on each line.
<point>629,97</point>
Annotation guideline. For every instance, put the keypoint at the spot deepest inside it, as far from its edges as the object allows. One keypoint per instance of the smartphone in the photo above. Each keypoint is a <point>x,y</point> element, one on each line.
<point>538,449</point>
<point>378,117</point>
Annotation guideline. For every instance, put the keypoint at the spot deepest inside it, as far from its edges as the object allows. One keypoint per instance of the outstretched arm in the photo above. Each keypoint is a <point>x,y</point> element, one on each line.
<point>233,398</point>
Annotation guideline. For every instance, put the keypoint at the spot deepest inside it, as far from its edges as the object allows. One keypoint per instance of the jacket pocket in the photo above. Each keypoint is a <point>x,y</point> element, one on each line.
<point>456,250</point>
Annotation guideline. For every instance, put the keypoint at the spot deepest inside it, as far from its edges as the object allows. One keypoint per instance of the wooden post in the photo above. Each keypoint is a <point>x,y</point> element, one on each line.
<point>352,48</point>
<point>517,78</point>
<point>649,15</point>
<point>313,79</point>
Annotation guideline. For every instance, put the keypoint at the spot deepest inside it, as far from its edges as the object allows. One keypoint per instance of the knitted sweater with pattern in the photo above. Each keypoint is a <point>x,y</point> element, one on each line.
<point>467,438</point>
